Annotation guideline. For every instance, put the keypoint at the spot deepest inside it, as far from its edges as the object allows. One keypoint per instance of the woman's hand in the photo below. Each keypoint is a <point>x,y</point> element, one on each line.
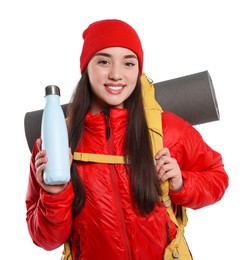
<point>40,164</point>
<point>168,169</point>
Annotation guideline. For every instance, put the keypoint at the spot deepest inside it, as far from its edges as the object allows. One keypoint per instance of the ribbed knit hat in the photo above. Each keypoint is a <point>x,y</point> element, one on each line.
<point>109,33</point>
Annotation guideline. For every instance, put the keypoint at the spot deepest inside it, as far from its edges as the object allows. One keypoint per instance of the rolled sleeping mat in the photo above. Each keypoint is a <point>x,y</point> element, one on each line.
<point>191,97</point>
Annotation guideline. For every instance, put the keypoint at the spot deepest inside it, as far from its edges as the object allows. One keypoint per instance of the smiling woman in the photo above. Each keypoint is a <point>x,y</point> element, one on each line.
<point>111,209</point>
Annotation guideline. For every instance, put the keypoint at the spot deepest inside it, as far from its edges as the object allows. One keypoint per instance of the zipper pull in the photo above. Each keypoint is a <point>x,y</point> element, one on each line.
<point>106,113</point>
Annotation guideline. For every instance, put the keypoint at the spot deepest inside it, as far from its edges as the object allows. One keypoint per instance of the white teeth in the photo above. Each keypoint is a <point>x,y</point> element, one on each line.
<point>115,87</point>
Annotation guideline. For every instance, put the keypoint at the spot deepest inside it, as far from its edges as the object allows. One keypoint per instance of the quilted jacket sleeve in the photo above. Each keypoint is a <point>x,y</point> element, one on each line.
<point>204,176</point>
<point>49,216</point>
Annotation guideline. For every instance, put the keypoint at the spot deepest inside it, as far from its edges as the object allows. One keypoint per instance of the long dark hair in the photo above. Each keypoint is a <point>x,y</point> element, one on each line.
<point>144,184</point>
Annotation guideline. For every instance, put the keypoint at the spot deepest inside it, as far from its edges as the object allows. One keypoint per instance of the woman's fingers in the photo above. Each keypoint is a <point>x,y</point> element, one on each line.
<point>168,169</point>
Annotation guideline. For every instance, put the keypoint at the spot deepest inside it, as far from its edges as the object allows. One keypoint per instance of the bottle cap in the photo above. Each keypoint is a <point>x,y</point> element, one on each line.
<point>52,90</point>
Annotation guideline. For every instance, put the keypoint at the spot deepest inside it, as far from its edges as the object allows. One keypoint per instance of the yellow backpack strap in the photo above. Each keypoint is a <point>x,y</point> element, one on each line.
<point>153,112</point>
<point>100,158</point>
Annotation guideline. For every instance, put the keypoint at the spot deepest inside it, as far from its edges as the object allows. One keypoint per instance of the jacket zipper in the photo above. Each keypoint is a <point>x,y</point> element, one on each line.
<point>117,199</point>
<point>106,113</point>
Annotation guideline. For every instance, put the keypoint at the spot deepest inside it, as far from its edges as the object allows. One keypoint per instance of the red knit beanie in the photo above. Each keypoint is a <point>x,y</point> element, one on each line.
<point>109,33</point>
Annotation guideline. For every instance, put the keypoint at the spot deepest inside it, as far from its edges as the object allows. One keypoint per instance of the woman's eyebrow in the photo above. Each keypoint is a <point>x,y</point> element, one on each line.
<point>129,56</point>
<point>103,54</point>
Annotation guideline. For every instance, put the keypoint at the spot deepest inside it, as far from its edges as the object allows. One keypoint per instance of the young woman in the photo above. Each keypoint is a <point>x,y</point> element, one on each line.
<point>113,210</point>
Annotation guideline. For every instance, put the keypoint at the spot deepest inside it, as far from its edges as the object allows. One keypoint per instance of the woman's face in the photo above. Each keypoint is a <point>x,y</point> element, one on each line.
<point>113,74</point>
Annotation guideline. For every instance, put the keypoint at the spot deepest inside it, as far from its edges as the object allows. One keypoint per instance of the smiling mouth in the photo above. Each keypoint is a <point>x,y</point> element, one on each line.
<point>115,88</point>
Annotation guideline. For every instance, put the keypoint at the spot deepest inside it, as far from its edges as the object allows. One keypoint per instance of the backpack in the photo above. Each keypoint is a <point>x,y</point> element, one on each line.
<point>178,249</point>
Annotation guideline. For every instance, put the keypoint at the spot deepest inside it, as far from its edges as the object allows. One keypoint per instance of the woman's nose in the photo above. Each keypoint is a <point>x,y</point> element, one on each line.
<point>115,72</point>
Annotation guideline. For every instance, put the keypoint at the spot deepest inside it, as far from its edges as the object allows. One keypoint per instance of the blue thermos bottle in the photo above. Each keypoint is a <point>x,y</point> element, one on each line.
<point>54,137</point>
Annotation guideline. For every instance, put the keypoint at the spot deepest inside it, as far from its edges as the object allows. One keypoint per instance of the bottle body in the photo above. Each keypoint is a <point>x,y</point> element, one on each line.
<point>55,141</point>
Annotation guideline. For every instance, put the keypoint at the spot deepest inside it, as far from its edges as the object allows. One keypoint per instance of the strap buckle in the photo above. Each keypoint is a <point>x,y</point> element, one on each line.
<point>167,201</point>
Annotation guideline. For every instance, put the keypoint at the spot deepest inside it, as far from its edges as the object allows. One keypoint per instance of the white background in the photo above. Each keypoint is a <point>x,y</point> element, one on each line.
<point>40,44</point>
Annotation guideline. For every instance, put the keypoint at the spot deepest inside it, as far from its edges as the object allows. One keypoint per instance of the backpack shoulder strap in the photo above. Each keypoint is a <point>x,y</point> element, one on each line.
<point>153,113</point>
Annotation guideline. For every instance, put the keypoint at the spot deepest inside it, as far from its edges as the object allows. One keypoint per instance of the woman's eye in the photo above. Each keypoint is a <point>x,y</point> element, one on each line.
<point>104,62</point>
<point>129,64</point>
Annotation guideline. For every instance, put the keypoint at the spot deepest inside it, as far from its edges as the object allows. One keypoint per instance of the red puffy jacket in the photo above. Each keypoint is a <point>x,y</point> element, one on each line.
<point>108,227</point>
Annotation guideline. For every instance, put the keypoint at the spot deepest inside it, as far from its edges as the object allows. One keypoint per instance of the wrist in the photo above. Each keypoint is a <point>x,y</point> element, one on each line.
<point>178,189</point>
